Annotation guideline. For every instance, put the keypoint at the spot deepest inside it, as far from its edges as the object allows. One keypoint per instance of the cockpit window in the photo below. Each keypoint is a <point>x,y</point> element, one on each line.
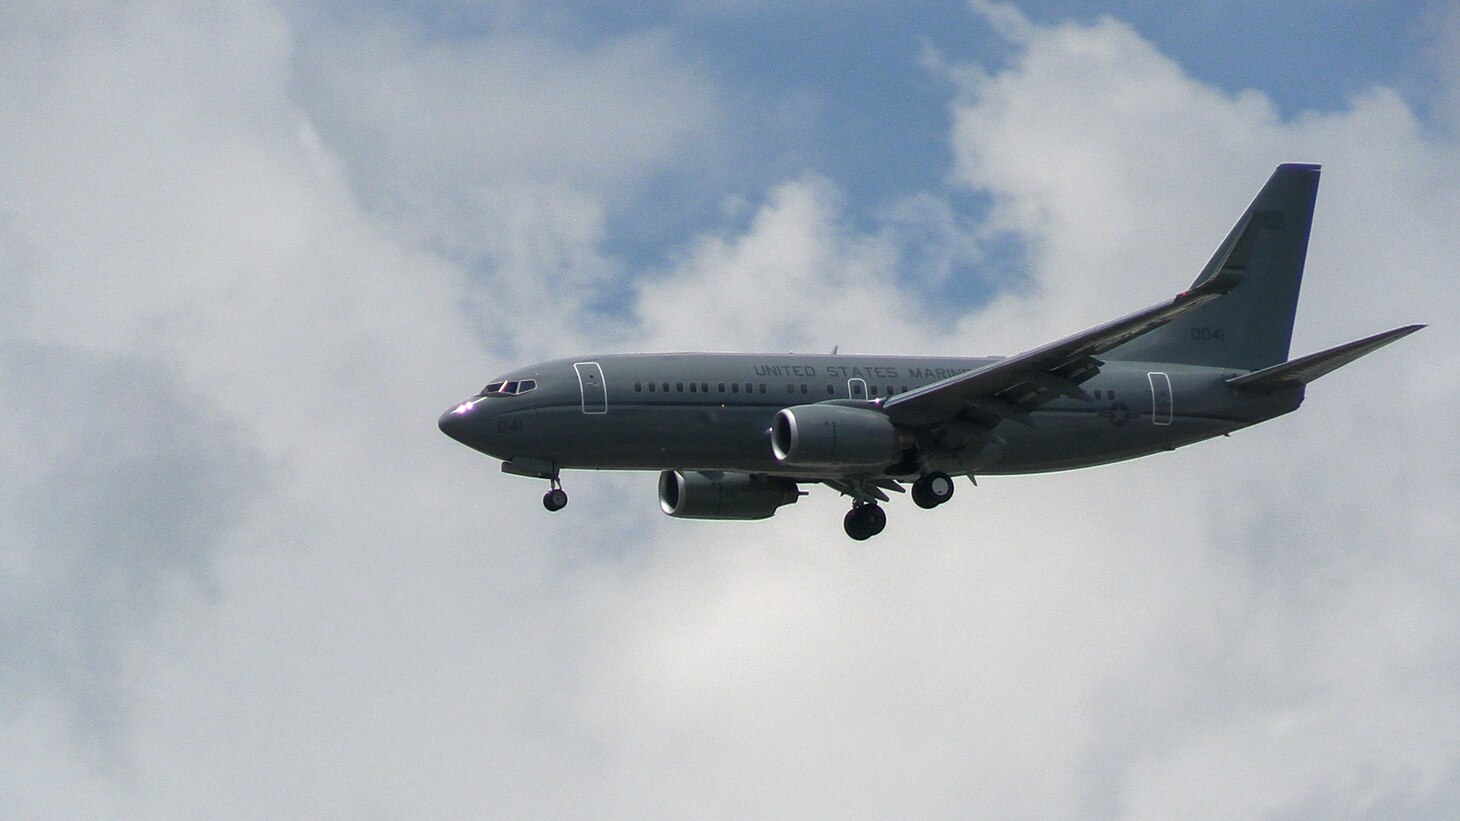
<point>509,387</point>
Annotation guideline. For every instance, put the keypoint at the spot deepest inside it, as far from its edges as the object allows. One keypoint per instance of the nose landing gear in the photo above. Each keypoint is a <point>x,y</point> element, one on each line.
<point>557,498</point>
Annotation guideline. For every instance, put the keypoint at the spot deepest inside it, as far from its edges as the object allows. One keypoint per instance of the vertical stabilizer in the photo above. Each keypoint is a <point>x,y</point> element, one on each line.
<point>1250,327</point>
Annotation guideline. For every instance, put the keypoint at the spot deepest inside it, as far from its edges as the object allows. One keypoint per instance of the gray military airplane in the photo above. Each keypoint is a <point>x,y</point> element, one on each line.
<point>736,435</point>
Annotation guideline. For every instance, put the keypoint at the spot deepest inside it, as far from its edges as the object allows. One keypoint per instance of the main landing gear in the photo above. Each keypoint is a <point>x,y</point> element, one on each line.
<point>932,490</point>
<point>865,520</point>
<point>557,498</point>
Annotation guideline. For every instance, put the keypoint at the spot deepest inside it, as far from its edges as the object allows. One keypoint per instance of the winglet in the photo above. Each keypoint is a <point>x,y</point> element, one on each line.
<point>1305,369</point>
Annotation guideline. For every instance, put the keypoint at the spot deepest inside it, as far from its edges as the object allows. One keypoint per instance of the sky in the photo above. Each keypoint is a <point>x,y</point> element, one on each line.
<point>250,251</point>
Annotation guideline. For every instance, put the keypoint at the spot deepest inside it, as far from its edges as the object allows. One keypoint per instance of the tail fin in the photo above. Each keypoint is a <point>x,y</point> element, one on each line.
<point>1252,326</point>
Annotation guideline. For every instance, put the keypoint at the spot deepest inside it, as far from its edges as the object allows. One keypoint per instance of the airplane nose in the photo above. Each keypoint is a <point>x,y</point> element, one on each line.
<point>456,422</point>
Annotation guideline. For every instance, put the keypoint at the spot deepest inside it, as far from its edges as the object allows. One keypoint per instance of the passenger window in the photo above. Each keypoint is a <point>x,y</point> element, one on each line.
<point>638,387</point>
<point>664,386</point>
<point>790,389</point>
<point>805,389</point>
<point>830,390</point>
<point>874,390</point>
<point>722,387</point>
<point>904,389</point>
<point>762,387</point>
<point>735,388</point>
<point>651,387</point>
<point>749,388</point>
<point>693,387</point>
<point>679,387</point>
<point>704,387</point>
<point>1111,393</point>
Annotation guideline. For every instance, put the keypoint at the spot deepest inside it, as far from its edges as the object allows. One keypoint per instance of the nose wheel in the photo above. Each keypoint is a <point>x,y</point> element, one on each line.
<point>864,521</point>
<point>555,499</point>
<point>932,490</point>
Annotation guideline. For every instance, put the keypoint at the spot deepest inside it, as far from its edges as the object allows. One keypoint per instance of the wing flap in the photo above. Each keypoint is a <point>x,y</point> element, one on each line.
<point>1305,369</point>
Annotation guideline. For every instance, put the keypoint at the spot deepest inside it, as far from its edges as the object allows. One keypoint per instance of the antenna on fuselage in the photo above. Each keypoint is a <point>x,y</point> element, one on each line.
<point>834,349</point>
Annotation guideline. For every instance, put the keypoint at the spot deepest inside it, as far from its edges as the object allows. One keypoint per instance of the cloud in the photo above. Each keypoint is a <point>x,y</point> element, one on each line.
<point>505,148</point>
<point>434,130</point>
<point>1259,607</point>
<point>320,605</point>
<point>1119,201</point>
<point>413,113</point>
<point>121,489</point>
<point>183,225</point>
<point>1115,167</point>
<point>798,269</point>
<point>807,273</point>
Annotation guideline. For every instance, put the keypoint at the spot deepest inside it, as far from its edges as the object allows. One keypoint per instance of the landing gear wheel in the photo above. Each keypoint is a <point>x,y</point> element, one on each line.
<point>921,497</point>
<point>877,517</point>
<point>932,490</point>
<point>865,521</point>
<point>555,499</point>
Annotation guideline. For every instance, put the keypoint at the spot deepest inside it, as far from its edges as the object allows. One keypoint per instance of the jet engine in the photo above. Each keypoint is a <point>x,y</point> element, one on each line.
<point>836,436</point>
<point>690,494</point>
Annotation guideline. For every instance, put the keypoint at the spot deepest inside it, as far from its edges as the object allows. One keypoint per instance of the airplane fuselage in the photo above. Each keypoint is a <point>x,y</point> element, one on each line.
<point>737,436</point>
<point>710,412</point>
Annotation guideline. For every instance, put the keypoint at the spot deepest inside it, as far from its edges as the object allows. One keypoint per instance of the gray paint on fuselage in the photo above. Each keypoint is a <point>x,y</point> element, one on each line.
<point>730,430</point>
<point>1211,360</point>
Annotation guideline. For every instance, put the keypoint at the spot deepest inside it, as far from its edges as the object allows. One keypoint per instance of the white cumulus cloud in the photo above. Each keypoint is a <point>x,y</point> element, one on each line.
<point>250,254</point>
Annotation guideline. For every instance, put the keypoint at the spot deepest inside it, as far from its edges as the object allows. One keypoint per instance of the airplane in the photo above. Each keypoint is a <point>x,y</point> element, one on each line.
<point>736,435</point>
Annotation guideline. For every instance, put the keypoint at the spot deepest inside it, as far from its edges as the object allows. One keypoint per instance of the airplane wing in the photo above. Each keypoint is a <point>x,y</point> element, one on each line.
<point>1305,369</point>
<point>1011,387</point>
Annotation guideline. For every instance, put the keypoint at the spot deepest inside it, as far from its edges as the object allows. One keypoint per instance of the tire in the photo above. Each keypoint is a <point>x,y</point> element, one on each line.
<point>555,499</point>
<point>922,497</point>
<point>864,521</point>
<point>876,518</point>
<point>933,489</point>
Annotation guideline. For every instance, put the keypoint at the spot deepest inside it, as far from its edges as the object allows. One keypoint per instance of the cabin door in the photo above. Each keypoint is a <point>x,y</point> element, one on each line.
<point>590,383</point>
<point>1160,398</point>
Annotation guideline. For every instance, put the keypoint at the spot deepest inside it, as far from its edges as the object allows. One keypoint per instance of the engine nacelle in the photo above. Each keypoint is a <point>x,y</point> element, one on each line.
<point>836,436</point>
<point>690,494</point>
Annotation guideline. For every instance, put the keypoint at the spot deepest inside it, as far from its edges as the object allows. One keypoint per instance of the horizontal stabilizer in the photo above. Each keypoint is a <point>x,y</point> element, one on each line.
<point>1305,369</point>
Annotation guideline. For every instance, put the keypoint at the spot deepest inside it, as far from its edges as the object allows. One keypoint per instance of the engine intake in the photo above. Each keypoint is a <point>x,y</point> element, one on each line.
<point>835,437</point>
<point>689,494</point>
